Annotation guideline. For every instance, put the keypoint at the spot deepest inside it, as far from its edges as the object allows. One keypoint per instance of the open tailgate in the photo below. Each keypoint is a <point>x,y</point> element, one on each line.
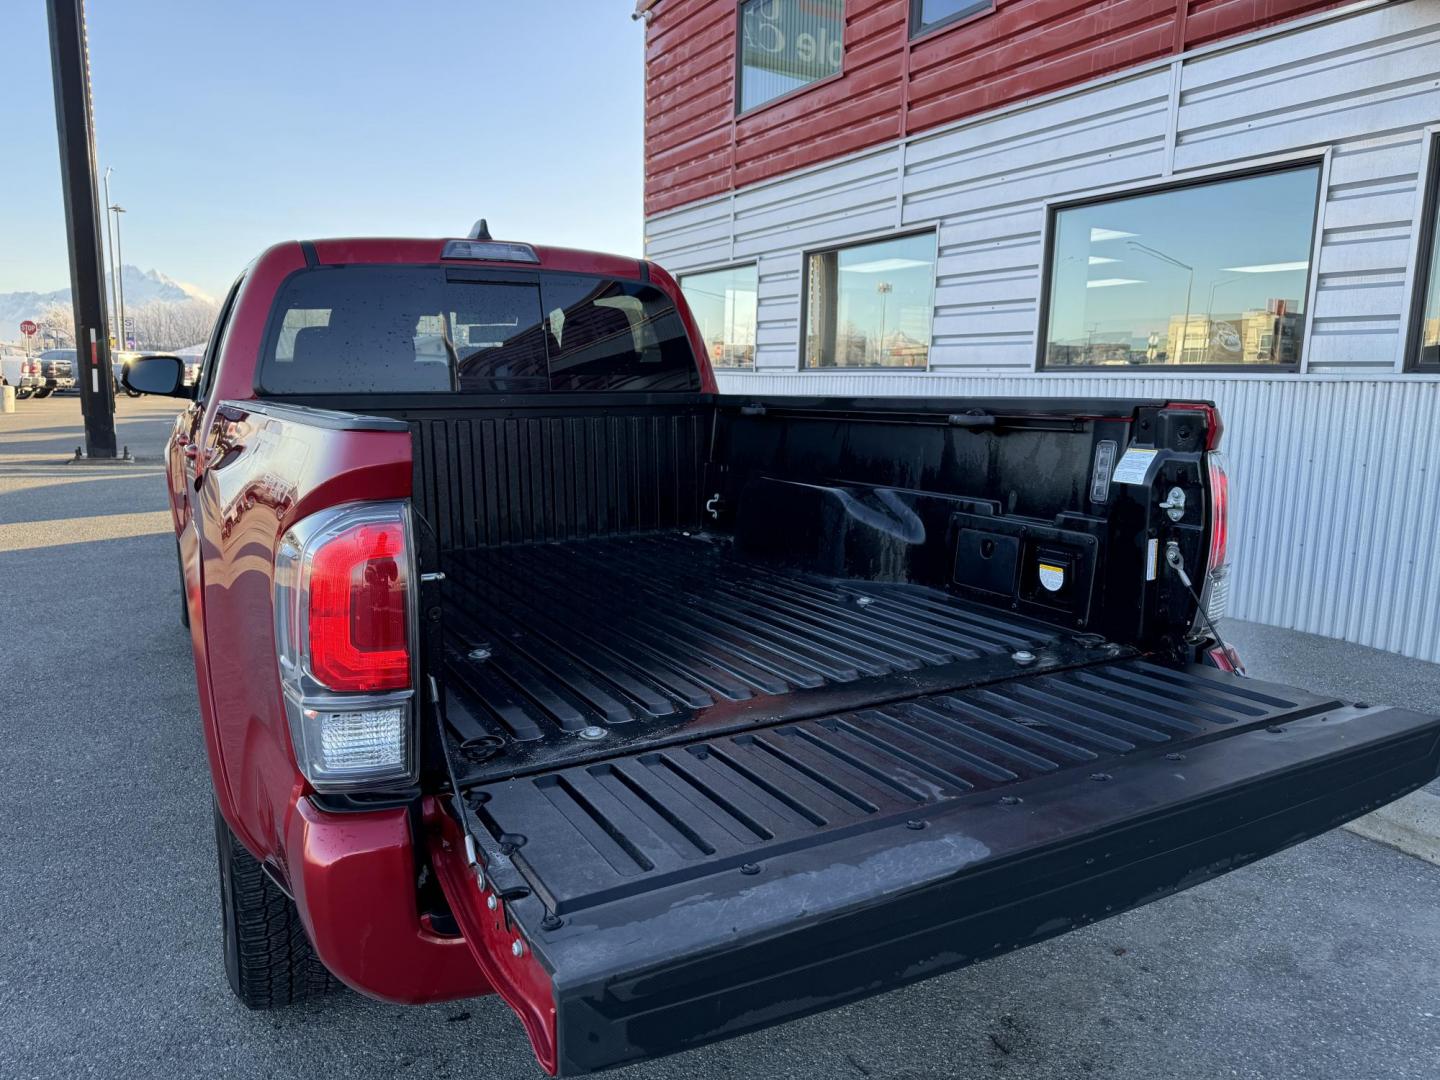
<point>665,899</point>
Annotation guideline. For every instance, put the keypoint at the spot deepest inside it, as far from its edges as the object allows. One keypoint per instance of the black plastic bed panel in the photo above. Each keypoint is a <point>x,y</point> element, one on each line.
<point>482,481</point>
<point>573,648</point>
<point>599,832</point>
<point>707,945</point>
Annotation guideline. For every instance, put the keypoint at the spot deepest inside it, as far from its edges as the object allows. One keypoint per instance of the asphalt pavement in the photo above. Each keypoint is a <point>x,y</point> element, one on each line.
<point>1321,962</point>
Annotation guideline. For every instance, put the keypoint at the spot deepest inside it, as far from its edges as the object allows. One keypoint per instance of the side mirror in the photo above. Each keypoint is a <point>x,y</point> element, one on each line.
<point>164,375</point>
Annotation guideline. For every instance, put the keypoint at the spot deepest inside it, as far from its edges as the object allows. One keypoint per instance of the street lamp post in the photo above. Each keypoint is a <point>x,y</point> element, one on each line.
<point>884,288</point>
<point>1189,288</point>
<point>110,243</point>
<point>120,274</point>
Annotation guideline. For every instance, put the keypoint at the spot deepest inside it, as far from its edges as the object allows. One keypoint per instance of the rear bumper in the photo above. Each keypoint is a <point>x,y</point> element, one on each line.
<point>353,877</point>
<point>812,929</point>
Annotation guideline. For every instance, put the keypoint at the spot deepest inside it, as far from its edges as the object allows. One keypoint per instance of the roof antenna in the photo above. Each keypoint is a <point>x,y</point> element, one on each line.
<point>481,231</point>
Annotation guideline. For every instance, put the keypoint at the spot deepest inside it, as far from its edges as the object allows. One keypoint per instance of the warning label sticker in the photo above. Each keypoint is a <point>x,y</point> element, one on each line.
<point>1134,466</point>
<point>1052,576</point>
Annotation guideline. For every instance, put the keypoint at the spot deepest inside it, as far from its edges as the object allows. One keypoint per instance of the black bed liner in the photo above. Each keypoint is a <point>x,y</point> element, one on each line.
<point>645,637</point>
<point>637,823</point>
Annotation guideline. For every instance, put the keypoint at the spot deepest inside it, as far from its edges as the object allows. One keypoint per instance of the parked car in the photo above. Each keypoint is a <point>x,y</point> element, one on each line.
<point>534,665</point>
<point>57,371</point>
<point>22,372</point>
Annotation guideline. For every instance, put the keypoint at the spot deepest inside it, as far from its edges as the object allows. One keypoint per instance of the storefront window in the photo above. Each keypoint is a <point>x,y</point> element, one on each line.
<point>928,14</point>
<point>1212,274</point>
<point>723,303</point>
<point>787,44</point>
<point>870,305</point>
<point>1427,356</point>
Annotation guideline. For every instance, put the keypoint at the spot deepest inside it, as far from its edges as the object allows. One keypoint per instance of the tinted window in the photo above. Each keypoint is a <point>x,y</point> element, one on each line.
<point>787,44</point>
<point>615,335</point>
<point>1212,274</point>
<point>870,305</point>
<point>358,329</point>
<point>383,329</point>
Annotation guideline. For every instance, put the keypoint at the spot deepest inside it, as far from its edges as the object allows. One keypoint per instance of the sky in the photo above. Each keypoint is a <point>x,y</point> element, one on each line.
<point>231,126</point>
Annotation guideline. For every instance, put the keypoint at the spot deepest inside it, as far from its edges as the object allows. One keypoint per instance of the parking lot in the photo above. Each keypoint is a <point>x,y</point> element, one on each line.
<point>1321,962</point>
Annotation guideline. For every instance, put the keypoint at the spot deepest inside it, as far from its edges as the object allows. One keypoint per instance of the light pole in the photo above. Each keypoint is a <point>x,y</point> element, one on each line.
<point>884,288</point>
<point>1189,288</point>
<point>120,273</point>
<point>110,243</point>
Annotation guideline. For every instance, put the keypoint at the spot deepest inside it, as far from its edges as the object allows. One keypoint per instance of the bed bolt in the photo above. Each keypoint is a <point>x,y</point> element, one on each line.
<point>749,868</point>
<point>592,732</point>
<point>1010,800</point>
<point>491,902</point>
<point>1275,729</point>
<point>1173,756</point>
<point>864,601</point>
<point>1362,704</point>
<point>480,653</point>
<point>1100,777</point>
<point>551,922</point>
<point>1023,656</point>
<point>517,948</point>
<point>914,823</point>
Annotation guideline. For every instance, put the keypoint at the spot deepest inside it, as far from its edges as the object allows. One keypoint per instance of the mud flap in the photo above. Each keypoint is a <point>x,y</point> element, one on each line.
<point>651,903</point>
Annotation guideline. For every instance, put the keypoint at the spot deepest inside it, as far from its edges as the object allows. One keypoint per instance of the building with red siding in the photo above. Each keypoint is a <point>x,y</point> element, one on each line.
<point>1222,199</point>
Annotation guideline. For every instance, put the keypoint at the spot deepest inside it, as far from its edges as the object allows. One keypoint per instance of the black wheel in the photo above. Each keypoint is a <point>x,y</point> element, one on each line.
<point>269,961</point>
<point>184,599</point>
<point>44,391</point>
<point>131,393</point>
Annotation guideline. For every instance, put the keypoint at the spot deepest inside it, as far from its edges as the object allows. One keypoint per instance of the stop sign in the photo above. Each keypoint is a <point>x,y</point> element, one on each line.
<point>28,328</point>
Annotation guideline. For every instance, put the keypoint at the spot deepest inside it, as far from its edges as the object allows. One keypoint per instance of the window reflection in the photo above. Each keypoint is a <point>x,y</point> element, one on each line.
<point>1212,274</point>
<point>870,305</point>
<point>928,14</point>
<point>723,303</point>
<point>787,44</point>
<point>1429,354</point>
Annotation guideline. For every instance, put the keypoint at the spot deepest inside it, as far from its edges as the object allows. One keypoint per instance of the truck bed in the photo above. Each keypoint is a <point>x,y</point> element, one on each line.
<point>633,640</point>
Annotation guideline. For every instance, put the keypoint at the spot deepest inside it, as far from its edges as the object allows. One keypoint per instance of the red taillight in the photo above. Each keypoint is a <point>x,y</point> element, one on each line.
<point>1219,511</point>
<point>1214,426</point>
<point>359,637</point>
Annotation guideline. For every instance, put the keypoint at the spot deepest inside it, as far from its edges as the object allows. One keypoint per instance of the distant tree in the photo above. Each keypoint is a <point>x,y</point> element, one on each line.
<point>161,325</point>
<point>57,323</point>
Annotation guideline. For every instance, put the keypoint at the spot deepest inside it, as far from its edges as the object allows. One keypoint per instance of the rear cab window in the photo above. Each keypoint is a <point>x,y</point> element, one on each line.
<point>433,329</point>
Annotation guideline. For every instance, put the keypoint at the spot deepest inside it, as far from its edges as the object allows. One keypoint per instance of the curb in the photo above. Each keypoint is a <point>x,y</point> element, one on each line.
<point>1411,825</point>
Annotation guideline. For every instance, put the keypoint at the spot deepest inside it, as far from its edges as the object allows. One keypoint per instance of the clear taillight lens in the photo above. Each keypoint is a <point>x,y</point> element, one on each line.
<point>344,621</point>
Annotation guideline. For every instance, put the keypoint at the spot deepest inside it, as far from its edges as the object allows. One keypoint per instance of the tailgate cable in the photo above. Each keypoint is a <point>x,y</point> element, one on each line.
<point>1176,562</point>
<point>502,890</point>
<point>472,850</point>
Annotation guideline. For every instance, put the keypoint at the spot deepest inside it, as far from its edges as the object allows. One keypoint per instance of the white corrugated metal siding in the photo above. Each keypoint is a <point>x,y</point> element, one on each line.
<point>1337,470</point>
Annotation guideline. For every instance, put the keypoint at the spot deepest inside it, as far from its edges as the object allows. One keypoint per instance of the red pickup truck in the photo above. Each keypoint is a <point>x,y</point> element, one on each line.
<point>529,663</point>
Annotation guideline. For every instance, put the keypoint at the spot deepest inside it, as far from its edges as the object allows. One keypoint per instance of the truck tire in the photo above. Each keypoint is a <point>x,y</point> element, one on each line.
<point>269,961</point>
<point>44,391</point>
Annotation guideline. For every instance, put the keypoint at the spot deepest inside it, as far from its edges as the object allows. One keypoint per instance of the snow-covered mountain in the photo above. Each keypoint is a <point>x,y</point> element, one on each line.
<point>141,287</point>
